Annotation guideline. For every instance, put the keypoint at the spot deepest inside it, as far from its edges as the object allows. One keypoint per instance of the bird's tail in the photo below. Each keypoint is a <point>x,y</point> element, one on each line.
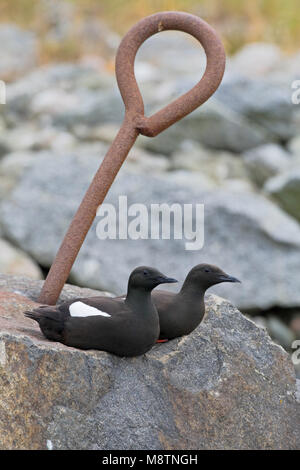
<point>49,319</point>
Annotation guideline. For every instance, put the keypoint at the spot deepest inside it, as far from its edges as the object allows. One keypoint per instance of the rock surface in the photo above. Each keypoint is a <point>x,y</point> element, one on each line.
<point>225,386</point>
<point>213,124</point>
<point>217,166</point>
<point>244,113</point>
<point>31,288</point>
<point>14,261</point>
<point>257,59</point>
<point>262,103</point>
<point>285,188</point>
<point>266,161</point>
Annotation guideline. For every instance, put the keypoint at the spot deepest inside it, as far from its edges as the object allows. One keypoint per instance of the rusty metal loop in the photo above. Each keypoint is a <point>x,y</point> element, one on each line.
<point>188,102</point>
<point>135,123</point>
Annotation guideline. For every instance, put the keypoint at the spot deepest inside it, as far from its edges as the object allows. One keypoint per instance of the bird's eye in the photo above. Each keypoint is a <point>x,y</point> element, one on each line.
<point>207,270</point>
<point>146,273</point>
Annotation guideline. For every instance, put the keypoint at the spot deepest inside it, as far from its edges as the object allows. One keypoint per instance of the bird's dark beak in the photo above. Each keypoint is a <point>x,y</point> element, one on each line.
<point>227,278</point>
<point>165,280</point>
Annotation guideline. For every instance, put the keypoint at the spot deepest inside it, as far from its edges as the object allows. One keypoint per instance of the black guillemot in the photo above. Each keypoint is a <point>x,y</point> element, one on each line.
<point>179,314</point>
<point>127,328</point>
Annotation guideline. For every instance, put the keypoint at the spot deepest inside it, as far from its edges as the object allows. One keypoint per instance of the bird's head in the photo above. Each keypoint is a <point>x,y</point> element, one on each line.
<point>207,275</point>
<point>146,278</point>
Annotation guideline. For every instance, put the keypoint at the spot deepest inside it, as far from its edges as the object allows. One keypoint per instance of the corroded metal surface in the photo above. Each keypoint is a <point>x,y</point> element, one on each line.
<point>135,123</point>
<point>189,101</point>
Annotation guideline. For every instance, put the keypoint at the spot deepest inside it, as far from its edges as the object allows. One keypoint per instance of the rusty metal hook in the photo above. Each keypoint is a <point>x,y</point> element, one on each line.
<point>135,123</point>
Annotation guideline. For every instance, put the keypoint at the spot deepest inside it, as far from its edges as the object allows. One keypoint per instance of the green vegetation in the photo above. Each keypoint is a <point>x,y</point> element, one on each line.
<point>237,21</point>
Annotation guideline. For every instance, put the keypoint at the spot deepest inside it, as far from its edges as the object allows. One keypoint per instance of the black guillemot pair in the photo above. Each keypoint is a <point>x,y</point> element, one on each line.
<point>130,325</point>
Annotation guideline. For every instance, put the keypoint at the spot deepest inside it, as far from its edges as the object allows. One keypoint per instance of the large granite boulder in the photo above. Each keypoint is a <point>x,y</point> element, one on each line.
<point>225,386</point>
<point>245,234</point>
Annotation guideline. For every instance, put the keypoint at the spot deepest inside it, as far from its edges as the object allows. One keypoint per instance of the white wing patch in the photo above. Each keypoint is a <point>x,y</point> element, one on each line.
<point>80,309</point>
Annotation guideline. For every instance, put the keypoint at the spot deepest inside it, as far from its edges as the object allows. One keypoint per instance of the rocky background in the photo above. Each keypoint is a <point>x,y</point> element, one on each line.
<point>239,154</point>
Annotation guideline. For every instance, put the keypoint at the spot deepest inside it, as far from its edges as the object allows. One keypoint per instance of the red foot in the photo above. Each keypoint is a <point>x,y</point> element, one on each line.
<point>161,340</point>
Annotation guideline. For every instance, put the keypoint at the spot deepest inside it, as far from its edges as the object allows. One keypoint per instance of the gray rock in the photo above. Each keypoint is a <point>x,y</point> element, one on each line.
<point>53,87</point>
<point>227,374</point>
<point>260,321</point>
<point>31,288</point>
<point>214,125</point>
<point>243,114</point>
<point>145,162</point>
<point>92,108</point>
<point>266,161</point>
<point>294,146</point>
<point>196,179</point>
<point>280,332</point>
<point>283,72</point>
<point>59,76</point>
<point>163,50</point>
<point>216,165</point>
<point>264,104</point>
<point>245,234</point>
<point>30,137</point>
<point>285,188</point>
<point>103,132</point>
<point>261,106</point>
<point>257,59</point>
<point>3,147</point>
<point>70,96</point>
<point>237,185</point>
<point>18,52</point>
<point>23,137</point>
<point>46,101</point>
<point>12,167</point>
<point>14,261</point>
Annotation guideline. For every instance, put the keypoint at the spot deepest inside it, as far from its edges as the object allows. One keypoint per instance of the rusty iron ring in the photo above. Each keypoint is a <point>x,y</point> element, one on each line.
<point>186,103</point>
<point>135,123</point>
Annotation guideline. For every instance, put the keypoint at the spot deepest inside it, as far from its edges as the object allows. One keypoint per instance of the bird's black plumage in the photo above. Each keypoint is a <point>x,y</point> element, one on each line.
<point>179,314</point>
<point>128,328</point>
